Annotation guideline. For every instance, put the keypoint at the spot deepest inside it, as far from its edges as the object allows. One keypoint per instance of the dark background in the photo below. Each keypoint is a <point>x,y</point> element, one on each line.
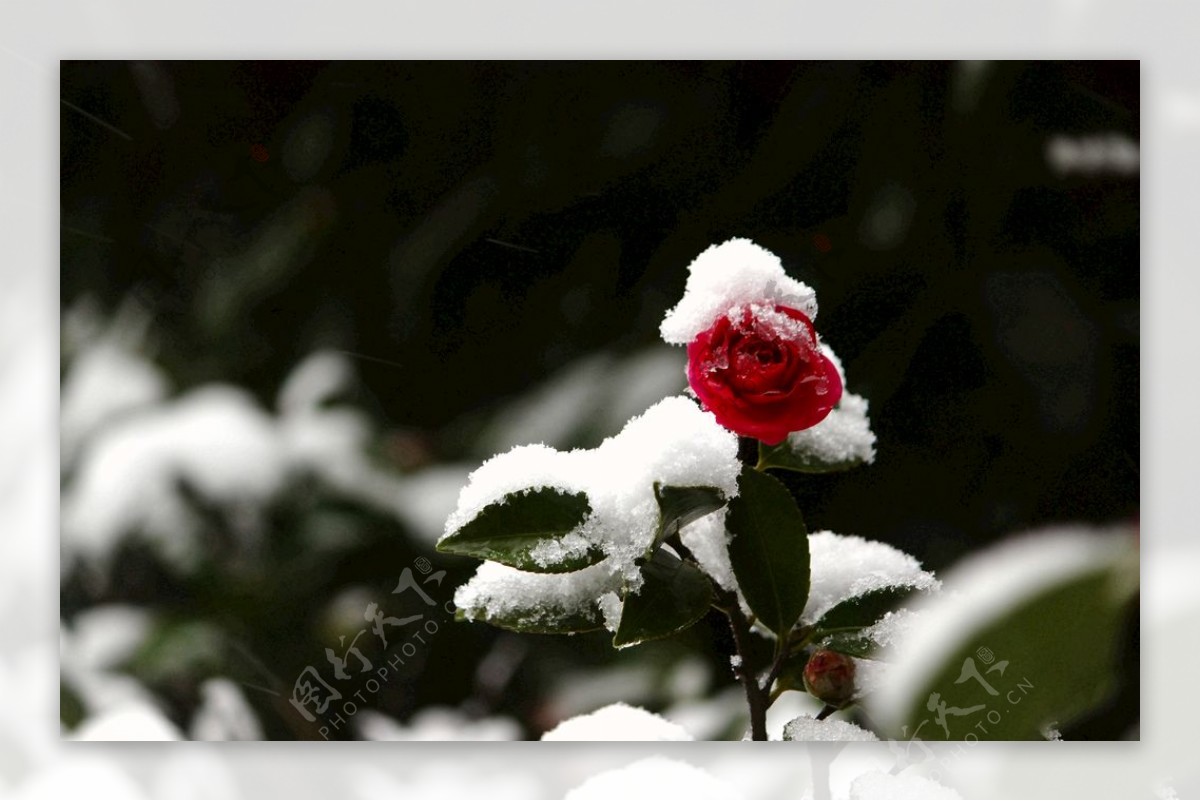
<point>469,228</point>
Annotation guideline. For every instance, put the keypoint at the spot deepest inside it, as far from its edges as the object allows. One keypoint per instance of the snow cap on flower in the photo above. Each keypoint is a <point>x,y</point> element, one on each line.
<point>727,276</point>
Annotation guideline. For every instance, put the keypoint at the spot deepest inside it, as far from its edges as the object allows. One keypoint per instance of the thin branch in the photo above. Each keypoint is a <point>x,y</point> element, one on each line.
<point>781,655</point>
<point>756,698</point>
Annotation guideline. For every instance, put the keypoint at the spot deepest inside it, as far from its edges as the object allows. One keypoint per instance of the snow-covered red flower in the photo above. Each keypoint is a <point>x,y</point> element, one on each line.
<point>760,370</point>
<point>754,359</point>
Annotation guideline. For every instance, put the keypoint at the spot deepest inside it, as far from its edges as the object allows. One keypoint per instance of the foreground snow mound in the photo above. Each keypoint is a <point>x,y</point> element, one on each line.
<point>617,723</point>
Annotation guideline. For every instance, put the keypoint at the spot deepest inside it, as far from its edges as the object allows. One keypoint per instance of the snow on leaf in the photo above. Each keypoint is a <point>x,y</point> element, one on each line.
<point>809,729</point>
<point>537,602</point>
<point>1051,602</point>
<point>319,377</point>
<point>842,440</point>
<point>520,469</point>
<point>673,443</point>
<point>215,438</point>
<point>708,540</point>
<point>844,567</point>
<point>531,530</point>
<point>103,382</point>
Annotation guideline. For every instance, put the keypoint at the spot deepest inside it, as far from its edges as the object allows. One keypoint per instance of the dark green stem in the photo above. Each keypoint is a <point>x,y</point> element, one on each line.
<point>756,698</point>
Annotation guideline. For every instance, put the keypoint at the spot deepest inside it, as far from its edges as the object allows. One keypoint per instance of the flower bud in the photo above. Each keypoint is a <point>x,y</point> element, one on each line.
<point>829,676</point>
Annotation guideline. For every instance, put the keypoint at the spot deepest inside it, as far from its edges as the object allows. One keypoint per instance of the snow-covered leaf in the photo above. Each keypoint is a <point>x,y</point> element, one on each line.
<point>846,567</point>
<point>769,550</point>
<point>674,443</point>
<point>863,610</point>
<point>536,603</point>
<point>530,530</point>
<point>674,595</point>
<point>532,620</point>
<point>809,729</point>
<point>1025,634</point>
<point>321,376</point>
<point>678,506</point>
<point>103,382</point>
<point>215,440</point>
<point>849,643</point>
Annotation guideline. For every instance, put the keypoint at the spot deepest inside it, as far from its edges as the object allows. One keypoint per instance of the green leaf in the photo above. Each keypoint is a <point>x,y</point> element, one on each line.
<point>540,620</point>
<point>786,457</point>
<point>850,644</point>
<point>179,647</point>
<point>674,595</point>
<point>861,611</point>
<point>769,550</point>
<point>791,676</point>
<point>509,530</point>
<point>1050,659</point>
<point>678,506</point>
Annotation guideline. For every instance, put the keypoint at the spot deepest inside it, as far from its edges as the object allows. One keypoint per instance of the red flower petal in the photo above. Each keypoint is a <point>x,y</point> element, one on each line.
<point>761,376</point>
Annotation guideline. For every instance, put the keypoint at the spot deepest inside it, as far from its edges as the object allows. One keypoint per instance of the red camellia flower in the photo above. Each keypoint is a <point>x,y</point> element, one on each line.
<point>761,372</point>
